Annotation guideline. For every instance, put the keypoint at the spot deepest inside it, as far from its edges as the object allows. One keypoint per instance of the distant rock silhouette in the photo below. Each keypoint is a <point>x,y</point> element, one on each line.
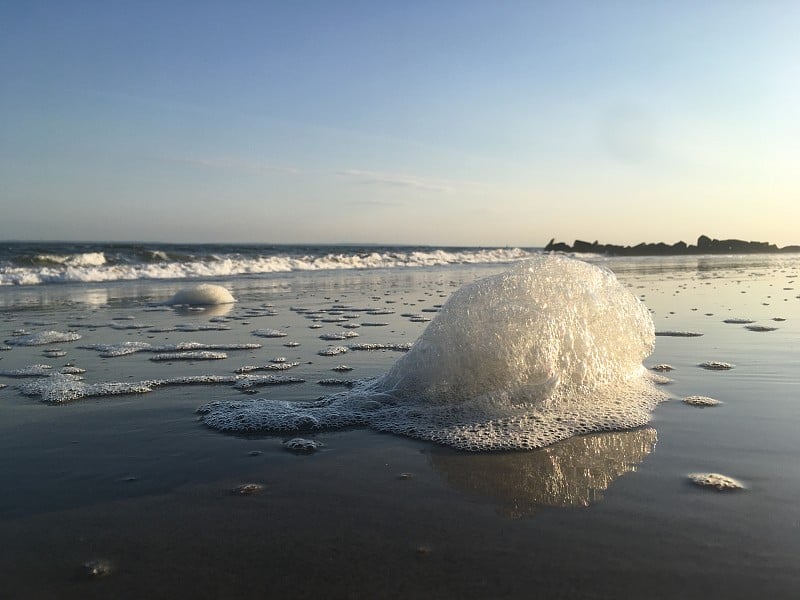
<point>705,245</point>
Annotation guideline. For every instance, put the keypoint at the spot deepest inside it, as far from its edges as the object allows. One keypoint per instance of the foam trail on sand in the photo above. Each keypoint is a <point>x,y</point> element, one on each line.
<point>549,349</point>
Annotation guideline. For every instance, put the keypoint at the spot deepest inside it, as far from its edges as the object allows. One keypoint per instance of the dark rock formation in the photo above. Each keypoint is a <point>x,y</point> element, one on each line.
<point>705,245</point>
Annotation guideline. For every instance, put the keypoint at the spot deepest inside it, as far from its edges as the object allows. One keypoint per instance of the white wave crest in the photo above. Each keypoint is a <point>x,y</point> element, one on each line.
<point>92,267</point>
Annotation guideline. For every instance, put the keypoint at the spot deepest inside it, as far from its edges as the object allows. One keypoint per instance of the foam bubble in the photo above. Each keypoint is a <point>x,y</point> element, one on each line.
<point>203,294</point>
<point>550,349</point>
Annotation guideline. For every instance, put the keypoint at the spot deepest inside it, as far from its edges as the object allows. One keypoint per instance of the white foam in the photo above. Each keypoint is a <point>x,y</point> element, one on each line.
<point>203,294</point>
<point>270,333</point>
<point>189,355</point>
<point>716,365</point>
<point>550,349</point>
<point>701,401</point>
<point>43,337</point>
<point>93,267</point>
<point>60,388</point>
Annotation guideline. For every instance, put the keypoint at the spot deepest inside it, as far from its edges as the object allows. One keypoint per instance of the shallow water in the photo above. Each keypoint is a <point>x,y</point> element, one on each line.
<point>137,480</point>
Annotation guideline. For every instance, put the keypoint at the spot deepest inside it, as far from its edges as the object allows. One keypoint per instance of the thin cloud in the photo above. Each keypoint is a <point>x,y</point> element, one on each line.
<point>232,164</point>
<point>381,203</point>
<point>396,180</point>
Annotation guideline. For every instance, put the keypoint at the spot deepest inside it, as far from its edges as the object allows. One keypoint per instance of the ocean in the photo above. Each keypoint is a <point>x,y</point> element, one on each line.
<point>36,263</point>
<point>130,468</point>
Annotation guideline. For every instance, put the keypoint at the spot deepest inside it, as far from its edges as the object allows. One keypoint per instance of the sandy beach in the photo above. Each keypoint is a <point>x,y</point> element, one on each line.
<point>139,488</point>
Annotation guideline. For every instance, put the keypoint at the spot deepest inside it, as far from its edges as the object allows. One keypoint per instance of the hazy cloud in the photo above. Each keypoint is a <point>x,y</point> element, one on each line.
<point>396,180</point>
<point>234,164</point>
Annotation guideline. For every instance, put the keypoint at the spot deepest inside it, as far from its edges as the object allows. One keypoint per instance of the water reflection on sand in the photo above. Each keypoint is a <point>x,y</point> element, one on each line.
<point>574,472</point>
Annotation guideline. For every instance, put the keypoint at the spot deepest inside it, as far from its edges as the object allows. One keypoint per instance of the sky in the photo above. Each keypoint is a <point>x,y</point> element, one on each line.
<point>432,122</point>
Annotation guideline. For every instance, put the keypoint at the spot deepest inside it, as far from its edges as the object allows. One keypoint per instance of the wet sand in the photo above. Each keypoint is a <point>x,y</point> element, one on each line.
<point>137,481</point>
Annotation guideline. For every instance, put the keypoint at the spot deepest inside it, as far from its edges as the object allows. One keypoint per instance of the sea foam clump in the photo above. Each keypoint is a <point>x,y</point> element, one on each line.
<point>203,294</point>
<point>550,349</point>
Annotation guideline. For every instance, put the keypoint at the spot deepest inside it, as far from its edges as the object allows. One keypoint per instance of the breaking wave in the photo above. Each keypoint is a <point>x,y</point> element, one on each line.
<point>115,264</point>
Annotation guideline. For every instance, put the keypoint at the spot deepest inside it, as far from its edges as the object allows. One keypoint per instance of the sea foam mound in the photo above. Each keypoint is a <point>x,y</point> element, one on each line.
<point>550,349</point>
<point>205,294</point>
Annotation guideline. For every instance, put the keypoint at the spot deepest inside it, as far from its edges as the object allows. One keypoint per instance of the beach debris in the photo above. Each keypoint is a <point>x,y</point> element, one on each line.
<point>302,445</point>
<point>43,337</point>
<point>203,294</point>
<point>717,481</point>
<point>715,365</point>
<point>701,401</point>
<point>248,489</point>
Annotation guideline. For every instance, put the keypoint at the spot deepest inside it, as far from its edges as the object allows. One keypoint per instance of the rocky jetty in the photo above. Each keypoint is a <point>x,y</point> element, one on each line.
<point>705,245</point>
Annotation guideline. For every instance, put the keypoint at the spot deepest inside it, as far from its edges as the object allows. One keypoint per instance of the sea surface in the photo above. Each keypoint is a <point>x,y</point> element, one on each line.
<point>131,495</point>
<point>36,263</point>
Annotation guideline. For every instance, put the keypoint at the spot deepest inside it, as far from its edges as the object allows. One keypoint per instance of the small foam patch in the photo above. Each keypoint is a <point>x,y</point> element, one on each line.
<point>716,365</point>
<point>721,483</point>
<point>701,401</point>
<point>43,337</point>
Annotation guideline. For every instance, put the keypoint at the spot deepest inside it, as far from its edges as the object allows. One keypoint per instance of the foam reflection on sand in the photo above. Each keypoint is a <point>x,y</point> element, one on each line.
<point>573,472</point>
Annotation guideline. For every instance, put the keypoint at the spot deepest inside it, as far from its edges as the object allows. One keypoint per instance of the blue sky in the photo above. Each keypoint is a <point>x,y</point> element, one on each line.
<point>463,123</point>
